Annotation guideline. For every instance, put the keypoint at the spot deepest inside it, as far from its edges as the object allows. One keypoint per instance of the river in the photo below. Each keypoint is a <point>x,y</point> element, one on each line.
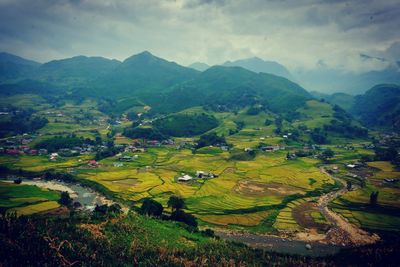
<point>87,197</point>
<point>282,245</point>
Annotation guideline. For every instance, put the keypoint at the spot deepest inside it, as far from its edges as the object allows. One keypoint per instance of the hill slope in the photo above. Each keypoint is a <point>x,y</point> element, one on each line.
<point>233,87</point>
<point>75,71</point>
<point>15,67</point>
<point>379,106</point>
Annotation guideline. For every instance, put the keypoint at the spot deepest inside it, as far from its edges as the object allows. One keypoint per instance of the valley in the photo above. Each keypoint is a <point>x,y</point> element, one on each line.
<point>259,161</point>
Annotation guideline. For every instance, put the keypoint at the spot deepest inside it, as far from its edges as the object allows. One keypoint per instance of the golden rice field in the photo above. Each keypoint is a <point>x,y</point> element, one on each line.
<point>27,199</point>
<point>36,208</point>
<point>239,195</point>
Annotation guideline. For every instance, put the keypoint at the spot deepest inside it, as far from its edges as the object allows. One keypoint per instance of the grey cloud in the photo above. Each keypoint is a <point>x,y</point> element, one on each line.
<point>295,33</point>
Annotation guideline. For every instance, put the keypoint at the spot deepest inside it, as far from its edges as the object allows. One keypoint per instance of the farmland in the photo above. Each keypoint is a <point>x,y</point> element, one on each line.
<point>27,199</point>
<point>265,193</point>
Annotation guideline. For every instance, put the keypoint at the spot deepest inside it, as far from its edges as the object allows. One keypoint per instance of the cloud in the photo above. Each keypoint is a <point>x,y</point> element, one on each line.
<point>298,34</point>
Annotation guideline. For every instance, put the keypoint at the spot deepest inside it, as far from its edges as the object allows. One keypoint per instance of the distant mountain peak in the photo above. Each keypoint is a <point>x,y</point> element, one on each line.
<point>143,56</point>
<point>7,57</point>
<point>199,66</point>
<point>257,64</point>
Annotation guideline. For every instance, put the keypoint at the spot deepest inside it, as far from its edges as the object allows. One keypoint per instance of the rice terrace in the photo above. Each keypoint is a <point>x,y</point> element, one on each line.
<point>142,161</point>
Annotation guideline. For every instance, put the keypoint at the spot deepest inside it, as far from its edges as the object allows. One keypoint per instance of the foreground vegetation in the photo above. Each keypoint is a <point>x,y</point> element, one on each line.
<point>136,240</point>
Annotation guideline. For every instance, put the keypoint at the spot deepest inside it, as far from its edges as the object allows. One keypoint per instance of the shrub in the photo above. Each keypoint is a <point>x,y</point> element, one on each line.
<point>151,207</point>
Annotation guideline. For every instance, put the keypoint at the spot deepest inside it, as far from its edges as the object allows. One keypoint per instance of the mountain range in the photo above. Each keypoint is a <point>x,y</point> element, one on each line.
<point>157,81</point>
<point>170,87</point>
<point>378,107</point>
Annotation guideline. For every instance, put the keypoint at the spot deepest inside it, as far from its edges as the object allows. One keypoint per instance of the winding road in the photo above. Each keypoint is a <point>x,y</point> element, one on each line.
<point>341,233</point>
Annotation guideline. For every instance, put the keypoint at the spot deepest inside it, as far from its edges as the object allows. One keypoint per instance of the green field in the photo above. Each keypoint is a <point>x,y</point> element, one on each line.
<point>27,199</point>
<point>355,206</point>
<point>262,194</point>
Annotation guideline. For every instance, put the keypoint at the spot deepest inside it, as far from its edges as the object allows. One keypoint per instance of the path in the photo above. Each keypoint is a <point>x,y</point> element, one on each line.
<point>342,232</point>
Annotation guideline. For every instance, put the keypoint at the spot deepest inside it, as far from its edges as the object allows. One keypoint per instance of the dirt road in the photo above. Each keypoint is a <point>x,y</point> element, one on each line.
<point>342,232</point>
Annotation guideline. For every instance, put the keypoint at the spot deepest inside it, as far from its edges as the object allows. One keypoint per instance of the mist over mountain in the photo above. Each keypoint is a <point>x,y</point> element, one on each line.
<point>327,80</point>
<point>258,65</point>
<point>199,66</point>
<point>379,106</point>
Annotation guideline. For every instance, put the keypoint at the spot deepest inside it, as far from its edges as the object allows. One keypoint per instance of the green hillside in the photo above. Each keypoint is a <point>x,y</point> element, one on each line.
<point>379,106</point>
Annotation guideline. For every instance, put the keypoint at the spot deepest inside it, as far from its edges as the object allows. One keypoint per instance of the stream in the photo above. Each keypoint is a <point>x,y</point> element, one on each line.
<point>86,196</point>
<point>282,245</point>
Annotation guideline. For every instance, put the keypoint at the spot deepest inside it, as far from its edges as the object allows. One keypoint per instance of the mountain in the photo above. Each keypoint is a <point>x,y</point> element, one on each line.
<point>379,106</point>
<point>256,64</point>
<point>199,66</point>
<point>327,80</point>
<point>13,67</point>
<point>75,71</point>
<point>231,88</point>
<point>345,101</point>
<point>143,72</point>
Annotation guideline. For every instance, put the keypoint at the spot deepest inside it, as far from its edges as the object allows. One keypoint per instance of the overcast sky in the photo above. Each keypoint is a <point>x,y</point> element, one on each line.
<point>351,35</point>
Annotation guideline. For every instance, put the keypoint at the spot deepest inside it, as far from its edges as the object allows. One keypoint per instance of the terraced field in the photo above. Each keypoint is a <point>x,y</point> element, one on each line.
<point>242,194</point>
<point>27,199</point>
<point>355,205</point>
<point>267,193</point>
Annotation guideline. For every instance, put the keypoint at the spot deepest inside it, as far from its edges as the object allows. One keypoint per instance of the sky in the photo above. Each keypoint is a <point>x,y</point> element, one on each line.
<point>356,36</point>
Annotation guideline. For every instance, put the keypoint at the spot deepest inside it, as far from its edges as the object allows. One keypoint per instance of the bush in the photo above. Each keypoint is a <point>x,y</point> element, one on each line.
<point>181,216</point>
<point>65,199</point>
<point>151,207</point>
<point>146,133</point>
<point>176,203</point>
<point>186,124</point>
<point>210,139</point>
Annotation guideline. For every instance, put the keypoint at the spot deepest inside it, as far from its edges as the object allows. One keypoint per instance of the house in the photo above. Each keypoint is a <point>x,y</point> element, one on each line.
<point>26,141</point>
<point>387,180</point>
<point>93,163</point>
<point>185,178</point>
<point>351,166</point>
<point>12,152</point>
<point>33,152</point>
<point>127,158</point>
<point>202,174</point>
<point>224,148</point>
<point>118,164</point>
<point>153,143</point>
<point>270,148</point>
<point>53,156</point>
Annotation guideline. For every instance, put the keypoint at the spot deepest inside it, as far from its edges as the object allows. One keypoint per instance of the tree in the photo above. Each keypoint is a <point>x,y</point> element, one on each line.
<point>151,207</point>
<point>348,185</point>
<point>114,208</point>
<point>327,154</point>
<point>181,216</point>
<point>373,198</point>
<point>176,203</point>
<point>65,199</point>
